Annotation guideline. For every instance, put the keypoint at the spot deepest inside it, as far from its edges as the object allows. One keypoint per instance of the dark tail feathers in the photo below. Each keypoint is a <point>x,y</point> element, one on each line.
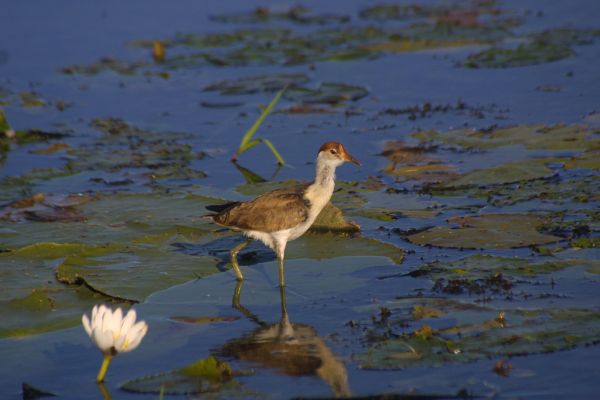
<point>222,207</point>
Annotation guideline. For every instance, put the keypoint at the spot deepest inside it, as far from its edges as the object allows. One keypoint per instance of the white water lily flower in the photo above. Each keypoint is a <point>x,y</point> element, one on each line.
<point>112,333</point>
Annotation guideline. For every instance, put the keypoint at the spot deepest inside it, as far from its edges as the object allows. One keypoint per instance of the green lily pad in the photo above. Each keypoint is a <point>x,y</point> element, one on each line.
<point>128,147</point>
<point>122,252</point>
<point>522,55</point>
<point>328,245</point>
<point>406,45</point>
<point>588,160</point>
<point>134,275</point>
<point>487,231</point>
<point>568,36</point>
<point>381,12</point>
<point>568,192</point>
<point>327,92</point>
<point>297,14</point>
<point>32,306</point>
<point>537,136</point>
<point>511,172</point>
<point>483,265</point>
<point>207,375</point>
<point>472,333</point>
<point>103,65</point>
<point>483,274</point>
<point>255,84</point>
<point>53,250</point>
<point>331,219</point>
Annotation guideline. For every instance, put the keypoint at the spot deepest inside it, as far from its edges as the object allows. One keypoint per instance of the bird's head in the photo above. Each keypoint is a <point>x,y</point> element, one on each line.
<point>335,154</point>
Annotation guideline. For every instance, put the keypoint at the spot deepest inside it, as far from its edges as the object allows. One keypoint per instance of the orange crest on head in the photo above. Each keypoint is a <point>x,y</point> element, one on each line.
<point>340,149</point>
<point>332,145</point>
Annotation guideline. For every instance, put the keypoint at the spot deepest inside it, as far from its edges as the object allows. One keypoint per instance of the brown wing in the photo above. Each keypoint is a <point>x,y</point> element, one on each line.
<point>273,211</point>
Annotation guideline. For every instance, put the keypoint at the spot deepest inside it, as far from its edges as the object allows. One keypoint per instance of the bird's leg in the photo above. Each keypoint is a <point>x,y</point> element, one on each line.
<point>233,254</point>
<point>280,250</point>
<point>235,303</point>
<point>283,302</point>
<point>281,273</point>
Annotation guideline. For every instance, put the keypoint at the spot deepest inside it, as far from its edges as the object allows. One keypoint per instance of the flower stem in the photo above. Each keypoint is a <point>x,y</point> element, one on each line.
<point>103,368</point>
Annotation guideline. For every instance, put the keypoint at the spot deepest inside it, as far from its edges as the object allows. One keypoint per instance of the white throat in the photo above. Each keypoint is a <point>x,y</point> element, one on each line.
<point>325,176</point>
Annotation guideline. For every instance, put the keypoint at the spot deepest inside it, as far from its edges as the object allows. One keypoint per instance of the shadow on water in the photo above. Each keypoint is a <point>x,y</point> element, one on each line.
<point>220,248</point>
<point>289,348</point>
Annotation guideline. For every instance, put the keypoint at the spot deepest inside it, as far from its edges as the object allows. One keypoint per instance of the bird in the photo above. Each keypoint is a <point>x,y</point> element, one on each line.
<point>282,215</point>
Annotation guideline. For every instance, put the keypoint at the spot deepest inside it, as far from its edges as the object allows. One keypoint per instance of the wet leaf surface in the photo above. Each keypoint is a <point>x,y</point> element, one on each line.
<point>487,231</point>
<point>204,376</point>
<point>548,46</point>
<point>557,137</point>
<point>468,333</point>
<point>327,92</point>
<point>297,14</point>
<point>512,172</point>
<point>254,84</point>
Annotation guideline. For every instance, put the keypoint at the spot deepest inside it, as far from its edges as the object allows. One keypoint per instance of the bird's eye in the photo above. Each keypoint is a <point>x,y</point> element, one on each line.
<point>333,151</point>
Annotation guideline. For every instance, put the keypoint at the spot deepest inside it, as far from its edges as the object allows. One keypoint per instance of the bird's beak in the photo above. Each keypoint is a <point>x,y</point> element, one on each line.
<point>349,158</point>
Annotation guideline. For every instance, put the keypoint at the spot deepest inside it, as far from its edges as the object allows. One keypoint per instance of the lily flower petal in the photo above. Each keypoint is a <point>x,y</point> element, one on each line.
<point>128,321</point>
<point>86,325</point>
<point>103,340</point>
<point>135,336</point>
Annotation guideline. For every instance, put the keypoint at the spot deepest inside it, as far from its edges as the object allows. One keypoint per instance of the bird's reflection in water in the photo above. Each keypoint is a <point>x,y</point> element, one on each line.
<point>292,349</point>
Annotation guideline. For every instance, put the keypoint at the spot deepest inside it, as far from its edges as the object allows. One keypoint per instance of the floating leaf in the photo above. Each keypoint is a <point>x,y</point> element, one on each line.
<point>204,376</point>
<point>511,172</point>
<point>327,92</point>
<point>103,65</point>
<point>255,84</point>
<point>487,231</point>
<point>53,250</point>
<point>470,333</point>
<point>483,265</point>
<point>297,14</point>
<point>537,136</point>
<point>331,219</point>
<point>406,45</point>
<point>588,160</point>
<point>121,253</point>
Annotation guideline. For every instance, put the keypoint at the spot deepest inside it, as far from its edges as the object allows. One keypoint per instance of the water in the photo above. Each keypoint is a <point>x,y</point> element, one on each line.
<point>336,286</point>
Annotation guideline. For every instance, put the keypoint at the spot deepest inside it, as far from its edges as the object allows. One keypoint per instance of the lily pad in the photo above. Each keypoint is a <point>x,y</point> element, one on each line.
<point>417,165</point>
<point>487,231</point>
<point>122,252</point>
<point>558,191</point>
<point>537,136</point>
<point>588,160</point>
<point>469,333</point>
<point>331,219</point>
<point>406,45</point>
<point>522,55</point>
<point>327,92</point>
<point>298,14</point>
<point>483,265</point>
<point>103,65</point>
<point>207,375</point>
<point>255,84</point>
<point>134,275</point>
<point>483,274</point>
<point>511,172</point>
